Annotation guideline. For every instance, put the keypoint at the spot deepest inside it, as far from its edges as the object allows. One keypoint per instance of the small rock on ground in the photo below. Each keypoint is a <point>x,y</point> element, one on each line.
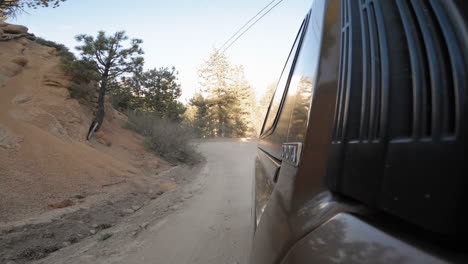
<point>21,99</point>
<point>136,207</point>
<point>66,244</point>
<point>128,211</point>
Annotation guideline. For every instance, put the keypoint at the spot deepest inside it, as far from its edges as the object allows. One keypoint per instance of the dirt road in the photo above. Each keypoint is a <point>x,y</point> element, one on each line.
<point>214,227</point>
<point>210,223</point>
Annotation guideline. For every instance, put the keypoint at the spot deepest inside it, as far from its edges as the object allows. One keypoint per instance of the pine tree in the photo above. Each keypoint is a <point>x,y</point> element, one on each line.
<point>201,118</point>
<point>301,108</point>
<point>244,108</point>
<point>227,101</point>
<point>112,60</point>
<point>214,78</point>
<point>262,106</point>
<point>155,91</point>
<point>161,91</point>
<point>10,8</point>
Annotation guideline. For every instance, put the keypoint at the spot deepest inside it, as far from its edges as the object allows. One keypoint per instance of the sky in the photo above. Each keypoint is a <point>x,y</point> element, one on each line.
<point>181,33</point>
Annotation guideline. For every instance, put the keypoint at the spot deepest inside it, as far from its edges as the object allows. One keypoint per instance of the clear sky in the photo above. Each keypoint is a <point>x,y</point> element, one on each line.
<point>181,33</point>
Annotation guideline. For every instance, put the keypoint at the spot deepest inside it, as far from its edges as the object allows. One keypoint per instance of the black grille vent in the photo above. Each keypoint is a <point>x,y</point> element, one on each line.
<point>434,113</point>
<point>370,124</point>
<point>426,106</point>
<point>400,134</point>
<point>338,131</point>
<point>347,111</point>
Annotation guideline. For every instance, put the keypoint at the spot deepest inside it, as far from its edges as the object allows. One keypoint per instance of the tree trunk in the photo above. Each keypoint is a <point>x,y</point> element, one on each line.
<point>220,121</point>
<point>97,122</point>
<point>101,100</point>
<point>100,108</point>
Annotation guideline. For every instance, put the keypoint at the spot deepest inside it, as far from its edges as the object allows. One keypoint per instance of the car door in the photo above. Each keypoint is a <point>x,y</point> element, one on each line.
<point>285,145</point>
<point>274,133</point>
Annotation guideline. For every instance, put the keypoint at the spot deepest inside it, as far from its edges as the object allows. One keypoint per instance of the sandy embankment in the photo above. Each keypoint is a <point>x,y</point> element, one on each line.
<point>44,158</point>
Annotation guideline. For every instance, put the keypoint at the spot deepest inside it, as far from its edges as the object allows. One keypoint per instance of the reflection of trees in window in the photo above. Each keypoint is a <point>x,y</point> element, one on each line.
<point>280,88</point>
<point>297,127</point>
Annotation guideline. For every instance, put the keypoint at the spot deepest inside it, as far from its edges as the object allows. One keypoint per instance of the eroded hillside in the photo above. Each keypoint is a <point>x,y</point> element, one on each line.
<point>45,161</point>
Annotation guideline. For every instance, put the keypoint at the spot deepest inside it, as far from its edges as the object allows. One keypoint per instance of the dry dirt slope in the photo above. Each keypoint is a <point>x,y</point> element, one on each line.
<point>44,158</point>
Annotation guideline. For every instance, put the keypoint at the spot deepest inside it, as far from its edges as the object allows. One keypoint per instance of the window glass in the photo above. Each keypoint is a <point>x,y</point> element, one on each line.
<point>302,82</point>
<point>281,86</point>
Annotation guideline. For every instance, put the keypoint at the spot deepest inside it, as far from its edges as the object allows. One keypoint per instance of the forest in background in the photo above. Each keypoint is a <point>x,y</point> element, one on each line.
<point>112,66</point>
<point>224,106</point>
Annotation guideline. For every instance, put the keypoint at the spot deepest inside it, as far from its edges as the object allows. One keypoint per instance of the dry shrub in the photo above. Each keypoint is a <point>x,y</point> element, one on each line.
<point>170,139</point>
<point>61,49</point>
<point>21,61</point>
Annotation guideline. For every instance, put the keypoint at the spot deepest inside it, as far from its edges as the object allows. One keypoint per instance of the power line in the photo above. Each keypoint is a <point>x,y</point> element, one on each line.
<point>246,23</point>
<point>247,29</point>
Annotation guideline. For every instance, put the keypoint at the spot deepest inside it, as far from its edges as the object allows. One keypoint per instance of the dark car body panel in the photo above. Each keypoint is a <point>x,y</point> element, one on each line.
<point>347,239</point>
<point>312,211</point>
<point>287,216</point>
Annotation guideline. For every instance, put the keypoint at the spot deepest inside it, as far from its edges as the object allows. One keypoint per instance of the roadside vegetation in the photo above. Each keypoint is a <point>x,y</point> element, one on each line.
<point>83,74</point>
<point>149,98</point>
<point>112,66</point>
<point>171,139</point>
<point>13,8</point>
<point>225,106</point>
<point>113,176</point>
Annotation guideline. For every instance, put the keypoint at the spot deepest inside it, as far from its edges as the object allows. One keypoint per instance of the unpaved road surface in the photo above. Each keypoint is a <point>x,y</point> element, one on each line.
<point>214,227</point>
<point>209,223</point>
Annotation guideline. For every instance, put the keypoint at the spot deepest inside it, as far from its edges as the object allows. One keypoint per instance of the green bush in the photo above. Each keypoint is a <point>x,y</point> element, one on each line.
<point>61,49</point>
<point>81,72</point>
<point>170,139</point>
<point>81,91</point>
<point>123,98</point>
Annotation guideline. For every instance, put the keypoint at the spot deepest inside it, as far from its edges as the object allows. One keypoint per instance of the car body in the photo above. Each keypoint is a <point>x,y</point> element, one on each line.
<point>361,158</point>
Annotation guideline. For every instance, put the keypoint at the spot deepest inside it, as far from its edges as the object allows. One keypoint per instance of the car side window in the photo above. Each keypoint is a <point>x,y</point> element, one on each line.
<point>301,87</point>
<point>281,86</point>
